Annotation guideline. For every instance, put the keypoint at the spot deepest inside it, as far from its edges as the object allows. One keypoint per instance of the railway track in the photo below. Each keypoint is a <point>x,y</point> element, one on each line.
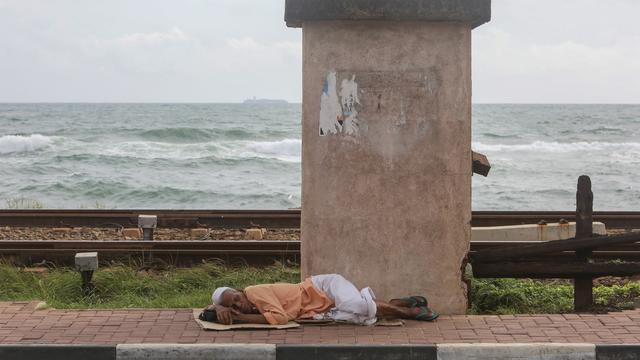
<point>254,252</point>
<point>231,251</point>
<point>174,252</point>
<point>166,218</point>
<point>270,218</point>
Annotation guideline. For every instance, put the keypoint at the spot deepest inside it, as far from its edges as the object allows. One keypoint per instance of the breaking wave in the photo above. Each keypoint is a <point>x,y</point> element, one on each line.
<point>21,143</point>
<point>287,148</point>
<point>501,136</point>
<point>557,147</point>
<point>177,135</point>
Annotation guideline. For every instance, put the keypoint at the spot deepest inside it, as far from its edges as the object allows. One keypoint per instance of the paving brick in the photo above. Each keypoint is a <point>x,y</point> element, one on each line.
<point>20,322</point>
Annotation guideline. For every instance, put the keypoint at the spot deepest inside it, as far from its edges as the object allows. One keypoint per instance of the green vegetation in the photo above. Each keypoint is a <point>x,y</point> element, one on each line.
<point>511,296</point>
<point>518,296</point>
<point>24,203</point>
<point>97,205</point>
<point>121,286</point>
<point>132,286</point>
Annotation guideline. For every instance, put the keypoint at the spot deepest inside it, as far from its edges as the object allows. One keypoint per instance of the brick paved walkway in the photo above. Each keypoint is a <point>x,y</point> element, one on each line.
<point>21,323</point>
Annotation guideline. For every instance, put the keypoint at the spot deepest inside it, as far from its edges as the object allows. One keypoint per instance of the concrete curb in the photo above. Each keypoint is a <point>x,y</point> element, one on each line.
<point>57,352</point>
<point>364,352</point>
<point>618,352</point>
<point>196,352</point>
<point>543,351</point>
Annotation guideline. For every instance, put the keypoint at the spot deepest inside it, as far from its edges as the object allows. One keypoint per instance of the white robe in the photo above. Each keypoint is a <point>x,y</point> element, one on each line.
<point>351,305</point>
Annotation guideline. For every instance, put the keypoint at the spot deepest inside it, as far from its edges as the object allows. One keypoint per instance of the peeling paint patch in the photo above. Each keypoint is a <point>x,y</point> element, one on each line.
<point>402,119</point>
<point>338,111</point>
<point>349,100</point>
<point>330,110</point>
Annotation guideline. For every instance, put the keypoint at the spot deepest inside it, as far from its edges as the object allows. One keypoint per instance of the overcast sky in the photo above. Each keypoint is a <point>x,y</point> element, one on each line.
<point>533,51</point>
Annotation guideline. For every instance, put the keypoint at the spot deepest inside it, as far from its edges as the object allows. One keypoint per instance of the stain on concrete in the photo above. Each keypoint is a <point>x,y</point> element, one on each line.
<point>390,102</point>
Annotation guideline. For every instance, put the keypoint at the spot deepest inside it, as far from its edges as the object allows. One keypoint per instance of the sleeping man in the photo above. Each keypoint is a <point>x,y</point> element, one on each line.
<point>320,297</point>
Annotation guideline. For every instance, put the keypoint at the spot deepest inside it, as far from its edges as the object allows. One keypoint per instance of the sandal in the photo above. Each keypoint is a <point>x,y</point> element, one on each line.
<point>426,314</point>
<point>412,301</point>
<point>421,300</point>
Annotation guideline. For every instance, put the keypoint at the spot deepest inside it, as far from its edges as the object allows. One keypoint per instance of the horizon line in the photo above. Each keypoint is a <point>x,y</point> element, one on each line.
<point>292,102</point>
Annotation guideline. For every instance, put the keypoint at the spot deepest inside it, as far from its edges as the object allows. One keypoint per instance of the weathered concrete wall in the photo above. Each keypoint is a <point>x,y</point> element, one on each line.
<point>386,190</point>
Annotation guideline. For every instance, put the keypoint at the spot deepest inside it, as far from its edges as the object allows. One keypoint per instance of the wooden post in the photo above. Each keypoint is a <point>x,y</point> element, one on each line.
<point>583,286</point>
<point>480,164</point>
<point>584,208</point>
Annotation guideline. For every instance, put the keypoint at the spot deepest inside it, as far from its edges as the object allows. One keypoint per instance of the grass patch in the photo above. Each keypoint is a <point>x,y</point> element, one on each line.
<point>24,203</point>
<point>123,286</point>
<point>521,296</point>
<point>516,296</point>
<point>97,205</point>
<point>132,286</point>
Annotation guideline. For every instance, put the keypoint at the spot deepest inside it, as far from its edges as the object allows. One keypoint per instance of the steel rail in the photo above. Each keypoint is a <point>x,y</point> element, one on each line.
<point>233,251</point>
<point>175,251</point>
<point>270,218</point>
<point>166,218</point>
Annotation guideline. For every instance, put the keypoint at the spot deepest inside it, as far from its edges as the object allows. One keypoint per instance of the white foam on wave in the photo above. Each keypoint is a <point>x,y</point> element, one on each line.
<point>19,143</point>
<point>153,150</point>
<point>285,150</point>
<point>557,147</point>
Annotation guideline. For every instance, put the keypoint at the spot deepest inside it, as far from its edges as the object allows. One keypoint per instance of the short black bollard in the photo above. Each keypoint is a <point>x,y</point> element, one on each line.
<point>87,263</point>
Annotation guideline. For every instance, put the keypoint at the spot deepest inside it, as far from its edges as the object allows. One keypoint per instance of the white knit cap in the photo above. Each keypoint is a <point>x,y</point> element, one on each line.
<point>217,294</point>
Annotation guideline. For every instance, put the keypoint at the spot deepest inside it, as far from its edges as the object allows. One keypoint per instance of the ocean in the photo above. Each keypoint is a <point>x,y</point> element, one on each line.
<point>241,156</point>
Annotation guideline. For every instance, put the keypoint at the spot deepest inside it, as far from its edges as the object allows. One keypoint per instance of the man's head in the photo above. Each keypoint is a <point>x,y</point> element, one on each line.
<point>232,298</point>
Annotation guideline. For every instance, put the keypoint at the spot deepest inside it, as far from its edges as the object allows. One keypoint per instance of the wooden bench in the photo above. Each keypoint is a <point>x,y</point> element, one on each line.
<point>582,258</point>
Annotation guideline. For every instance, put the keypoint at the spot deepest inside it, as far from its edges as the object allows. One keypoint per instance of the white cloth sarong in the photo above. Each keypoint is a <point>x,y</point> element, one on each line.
<point>352,306</point>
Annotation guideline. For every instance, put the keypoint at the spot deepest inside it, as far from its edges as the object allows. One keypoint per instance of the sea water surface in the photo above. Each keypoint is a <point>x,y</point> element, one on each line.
<point>229,156</point>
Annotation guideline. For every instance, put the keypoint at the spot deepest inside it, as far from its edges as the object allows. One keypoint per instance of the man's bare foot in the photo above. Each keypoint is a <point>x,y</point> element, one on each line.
<point>401,303</point>
<point>389,311</point>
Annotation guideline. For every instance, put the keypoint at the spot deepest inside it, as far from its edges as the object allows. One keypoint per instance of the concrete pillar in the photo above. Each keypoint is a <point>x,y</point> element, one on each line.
<point>386,143</point>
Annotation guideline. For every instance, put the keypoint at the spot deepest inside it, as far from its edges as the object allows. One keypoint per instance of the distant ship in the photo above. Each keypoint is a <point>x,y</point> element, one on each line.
<point>255,101</point>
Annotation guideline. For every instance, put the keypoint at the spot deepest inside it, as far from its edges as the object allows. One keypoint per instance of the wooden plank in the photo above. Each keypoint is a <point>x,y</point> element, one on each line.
<point>480,164</point>
<point>584,208</point>
<point>550,247</point>
<point>554,269</point>
<point>487,245</point>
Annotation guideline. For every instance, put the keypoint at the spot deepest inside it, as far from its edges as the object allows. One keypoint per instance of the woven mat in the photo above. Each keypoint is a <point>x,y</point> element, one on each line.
<point>381,322</point>
<point>206,325</point>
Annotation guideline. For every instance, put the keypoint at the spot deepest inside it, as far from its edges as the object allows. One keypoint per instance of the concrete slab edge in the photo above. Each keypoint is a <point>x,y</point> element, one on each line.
<point>57,352</point>
<point>359,352</point>
<point>196,351</point>
<point>540,351</point>
<point>618,352</point>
